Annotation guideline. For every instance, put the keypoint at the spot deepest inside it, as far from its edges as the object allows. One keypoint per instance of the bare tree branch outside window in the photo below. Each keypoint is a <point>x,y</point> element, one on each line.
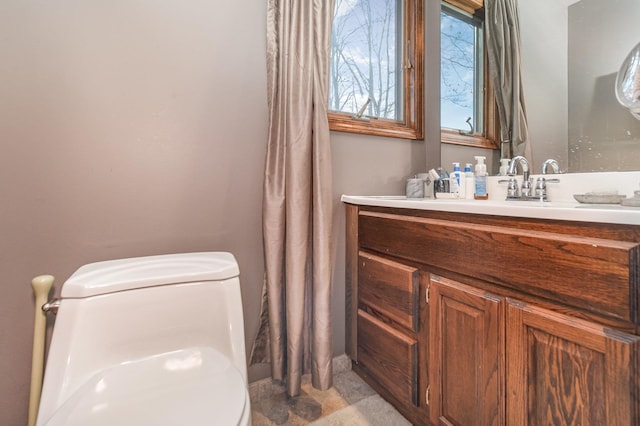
<point>364,58</point>
<point>458,64</point>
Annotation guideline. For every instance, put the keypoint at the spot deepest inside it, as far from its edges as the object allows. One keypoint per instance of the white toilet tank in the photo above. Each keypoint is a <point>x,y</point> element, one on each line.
<point>143,340</point>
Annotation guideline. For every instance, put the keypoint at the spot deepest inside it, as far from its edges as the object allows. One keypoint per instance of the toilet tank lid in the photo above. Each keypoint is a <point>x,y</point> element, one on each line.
<point>150,271</point>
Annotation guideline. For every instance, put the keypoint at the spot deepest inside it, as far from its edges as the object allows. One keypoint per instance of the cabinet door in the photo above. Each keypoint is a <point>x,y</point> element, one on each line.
<point>567,371</point>
<point>466,341</point>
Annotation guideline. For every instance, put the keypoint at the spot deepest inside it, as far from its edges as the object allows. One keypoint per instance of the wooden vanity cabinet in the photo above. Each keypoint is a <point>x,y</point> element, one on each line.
<point>461,319</point>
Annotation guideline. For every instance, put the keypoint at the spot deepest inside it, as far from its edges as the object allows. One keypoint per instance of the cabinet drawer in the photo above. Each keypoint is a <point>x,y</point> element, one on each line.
<point>390,288</point>
<point>389,356</point>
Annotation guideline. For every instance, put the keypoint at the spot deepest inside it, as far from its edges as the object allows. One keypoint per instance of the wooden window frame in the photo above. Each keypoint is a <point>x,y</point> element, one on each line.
<point>412,126</point>
<point>489,139</point>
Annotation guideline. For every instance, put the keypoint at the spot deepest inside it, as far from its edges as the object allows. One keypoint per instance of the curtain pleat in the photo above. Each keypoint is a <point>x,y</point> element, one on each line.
<point>297,196</point>
<point>503,49</point>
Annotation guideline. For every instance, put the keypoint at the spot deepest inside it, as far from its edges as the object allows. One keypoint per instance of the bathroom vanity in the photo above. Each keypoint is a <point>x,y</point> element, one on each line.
<point>485,313</point>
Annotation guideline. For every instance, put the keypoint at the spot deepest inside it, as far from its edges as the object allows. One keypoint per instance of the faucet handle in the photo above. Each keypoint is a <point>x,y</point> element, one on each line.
<point>541,187</point>
<point>526,187</point>
<point>512,189</point>
<point>541,182</point>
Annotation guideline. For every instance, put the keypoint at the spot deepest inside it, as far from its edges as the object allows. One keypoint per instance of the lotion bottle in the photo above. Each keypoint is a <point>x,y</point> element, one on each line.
<point>481,179</point>
<point>469,182</point>
<point>457,181</point>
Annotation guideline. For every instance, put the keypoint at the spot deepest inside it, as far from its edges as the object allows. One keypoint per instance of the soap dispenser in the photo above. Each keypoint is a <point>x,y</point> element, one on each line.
<point>504,166</point>
<point>481,179</point>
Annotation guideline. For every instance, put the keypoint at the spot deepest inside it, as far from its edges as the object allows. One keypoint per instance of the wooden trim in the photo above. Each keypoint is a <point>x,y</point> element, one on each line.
<point>455,138</point>
<point>469,6</point>
<point>491,116</point>
<point>414,90</point>
<point>376,127</point>
<point>412,127</point>
<point>351,281</point>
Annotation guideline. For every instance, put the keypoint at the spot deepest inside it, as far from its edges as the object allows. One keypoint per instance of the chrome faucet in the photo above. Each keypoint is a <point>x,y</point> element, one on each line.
<point>526,182</point>
<point>525,192</point>
<point>555,167</point>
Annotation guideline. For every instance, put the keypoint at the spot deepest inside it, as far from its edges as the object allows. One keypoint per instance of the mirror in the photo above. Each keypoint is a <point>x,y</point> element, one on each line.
<point>572,51</point>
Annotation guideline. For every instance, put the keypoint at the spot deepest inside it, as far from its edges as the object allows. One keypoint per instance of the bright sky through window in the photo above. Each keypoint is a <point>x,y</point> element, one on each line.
<point>365,58</point>
<point>461,71</point>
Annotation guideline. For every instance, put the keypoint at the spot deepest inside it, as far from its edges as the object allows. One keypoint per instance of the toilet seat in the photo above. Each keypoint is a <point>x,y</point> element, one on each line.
<point>193,386</point>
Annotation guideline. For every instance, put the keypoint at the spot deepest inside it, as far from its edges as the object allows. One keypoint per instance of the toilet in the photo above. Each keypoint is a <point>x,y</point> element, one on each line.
<point>155,340</point>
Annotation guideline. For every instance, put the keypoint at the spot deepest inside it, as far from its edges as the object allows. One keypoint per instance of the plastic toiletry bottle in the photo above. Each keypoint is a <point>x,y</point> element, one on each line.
<point>481,179</point>
<point>469,182</point>
<point>439,181</point>
<point>504,166</point>
<point>457,181</point>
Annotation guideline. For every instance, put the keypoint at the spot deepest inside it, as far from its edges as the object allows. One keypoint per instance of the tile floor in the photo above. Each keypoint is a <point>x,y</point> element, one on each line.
<point>349,402</point>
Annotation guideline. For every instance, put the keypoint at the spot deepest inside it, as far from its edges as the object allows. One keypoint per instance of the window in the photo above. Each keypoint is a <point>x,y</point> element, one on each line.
<point>467,105</point>
<point>377,68</point>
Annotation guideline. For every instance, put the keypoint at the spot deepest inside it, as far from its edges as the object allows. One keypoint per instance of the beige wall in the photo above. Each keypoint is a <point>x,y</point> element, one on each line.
<point>133,128</point>
<point>364,166</point>
<point>126,128</point>
<point>543,42</point>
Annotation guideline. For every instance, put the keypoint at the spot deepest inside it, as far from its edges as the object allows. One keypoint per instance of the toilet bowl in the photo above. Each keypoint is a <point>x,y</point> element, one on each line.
<point>154,340</point>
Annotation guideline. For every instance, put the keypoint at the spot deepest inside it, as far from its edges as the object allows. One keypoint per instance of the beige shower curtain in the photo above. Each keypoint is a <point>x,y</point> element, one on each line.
<point>295,331</point>
<point>503,49</point>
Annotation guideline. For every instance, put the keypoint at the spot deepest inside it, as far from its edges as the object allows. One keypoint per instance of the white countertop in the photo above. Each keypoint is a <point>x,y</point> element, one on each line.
<point>604,213</point>
<point>561,207</point>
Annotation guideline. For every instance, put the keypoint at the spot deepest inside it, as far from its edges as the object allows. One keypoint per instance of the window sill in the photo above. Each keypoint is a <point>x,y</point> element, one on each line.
<point>477,141</point>
<point>376,126</point>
